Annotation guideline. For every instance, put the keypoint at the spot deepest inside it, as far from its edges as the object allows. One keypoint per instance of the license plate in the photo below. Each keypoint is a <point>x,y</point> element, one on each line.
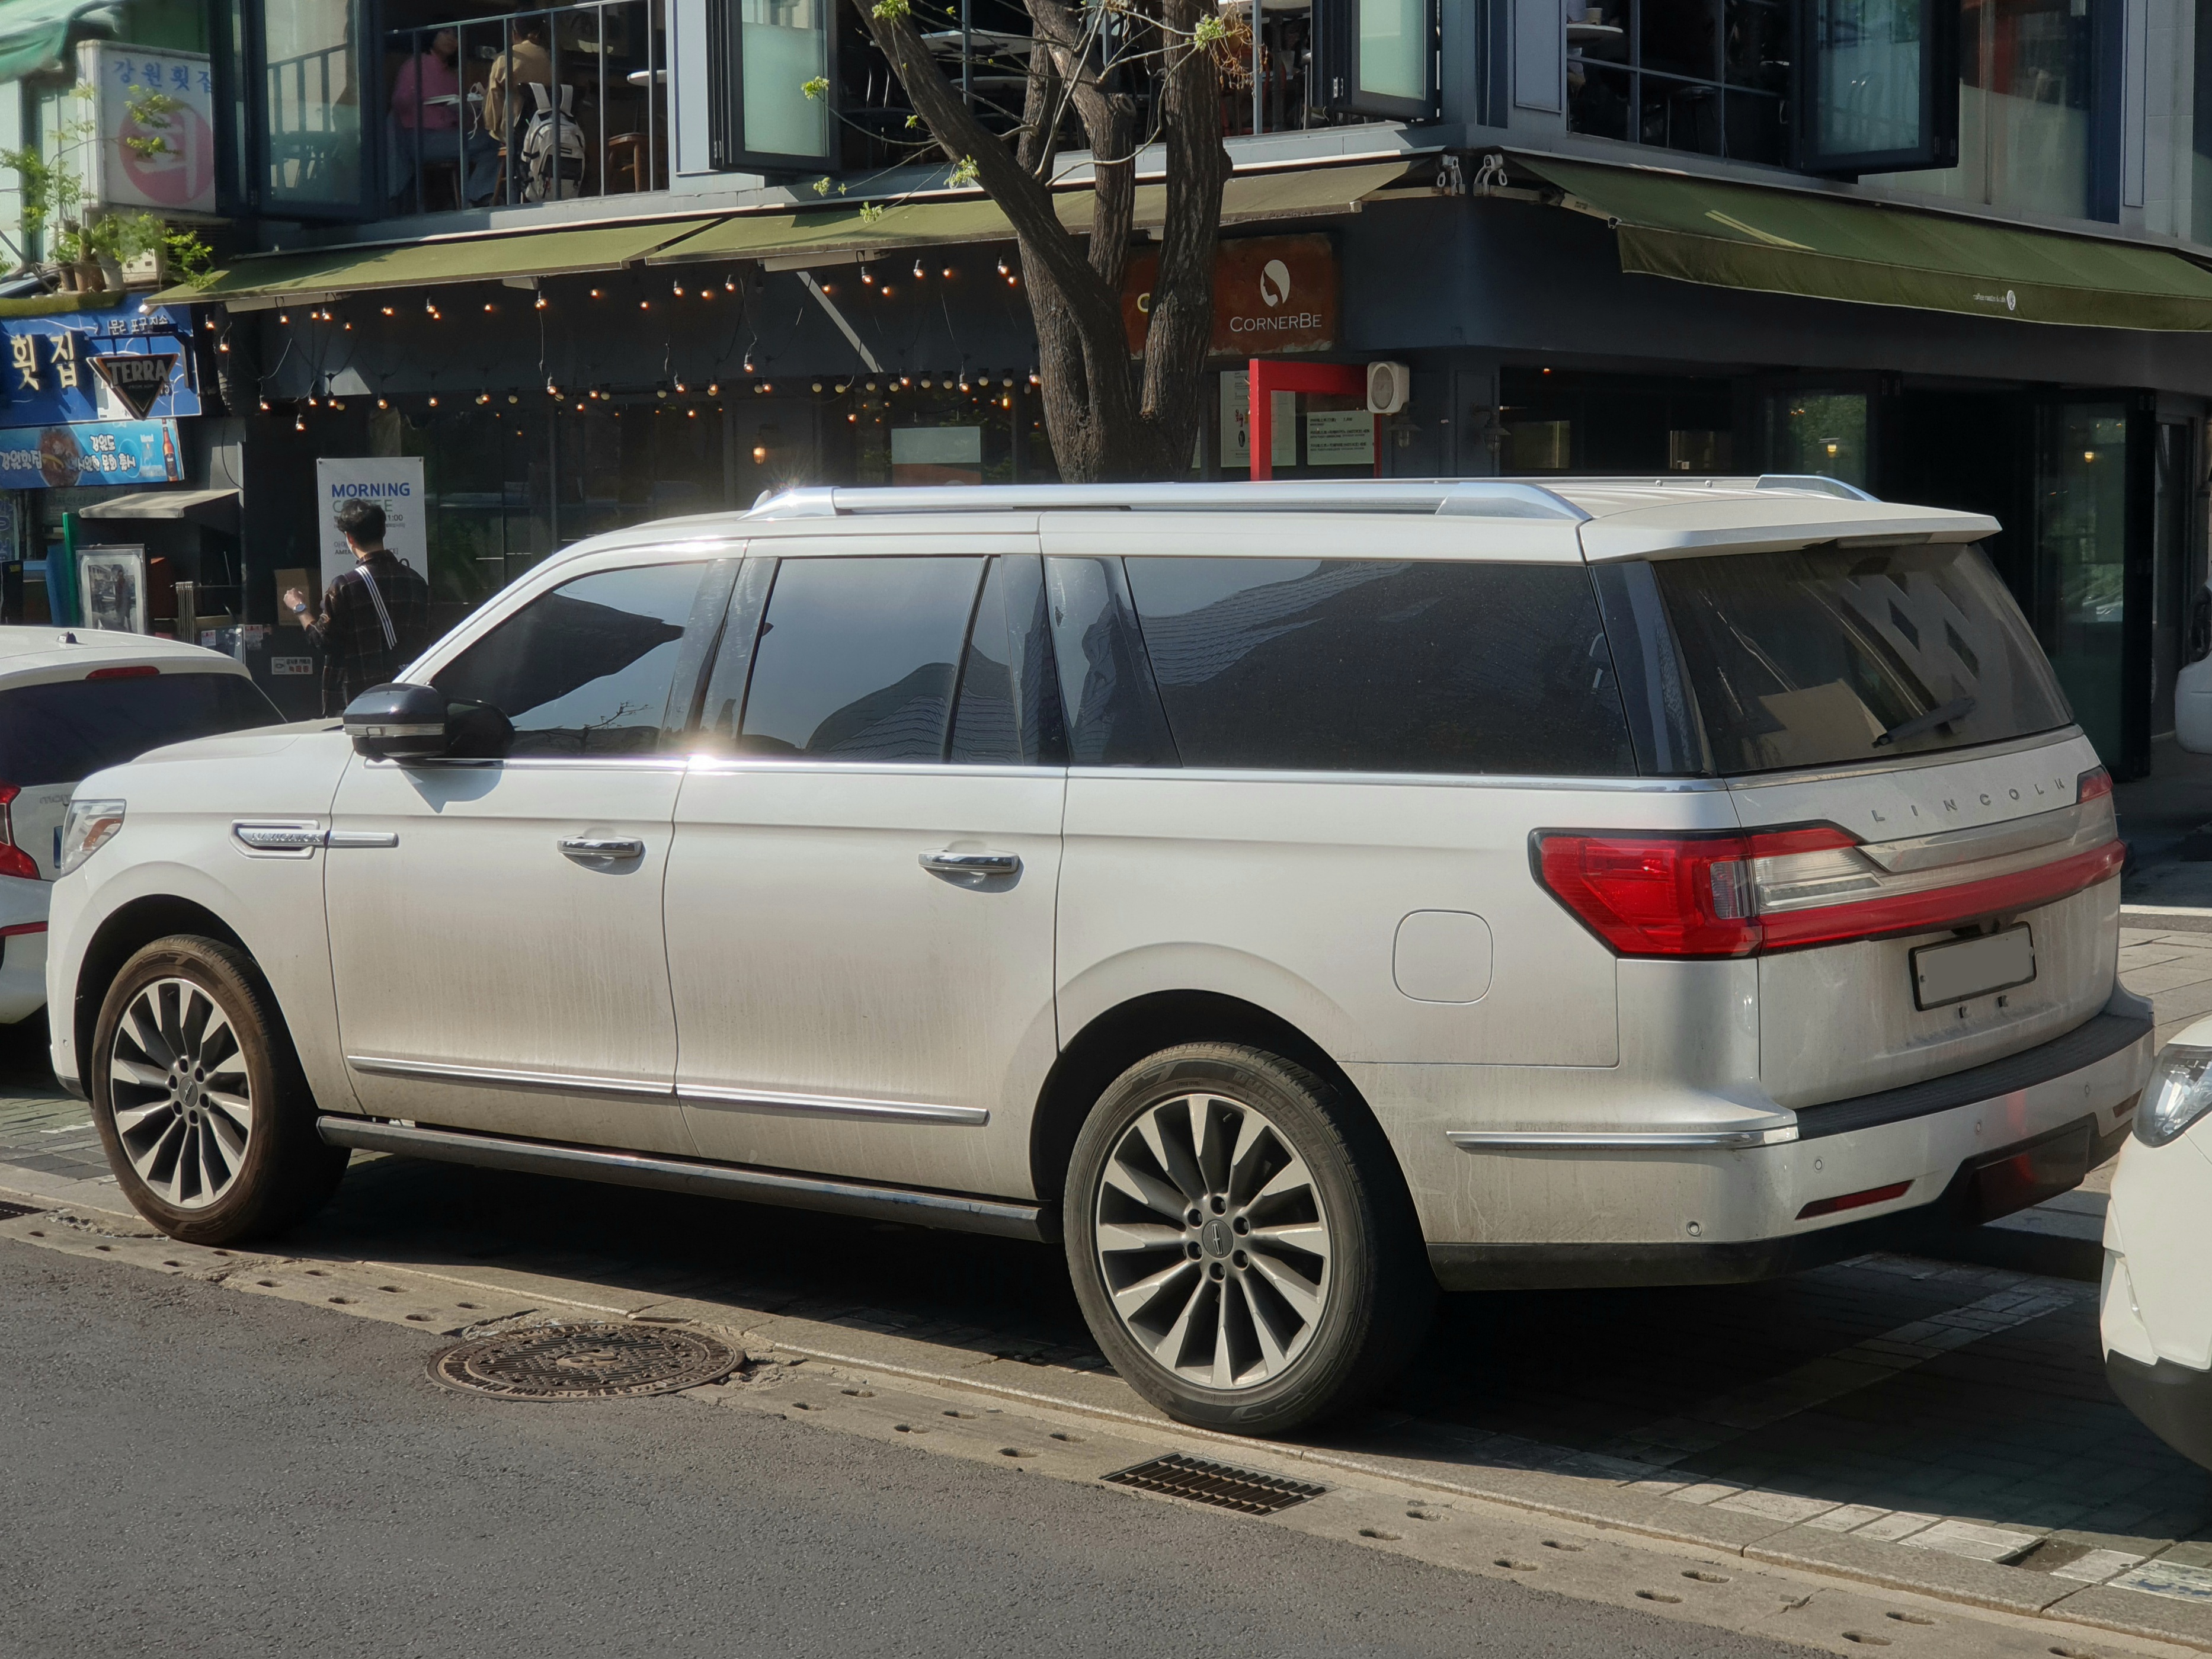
<point>1971,967</point>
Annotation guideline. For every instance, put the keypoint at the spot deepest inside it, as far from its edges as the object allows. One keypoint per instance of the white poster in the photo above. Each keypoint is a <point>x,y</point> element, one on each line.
<point>394,483</point>
<point>1237,421</point>
<point>1339,437</point>
<point>153,112</point>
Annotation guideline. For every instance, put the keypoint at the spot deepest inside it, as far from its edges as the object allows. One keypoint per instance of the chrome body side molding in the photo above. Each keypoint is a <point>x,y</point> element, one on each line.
<point>1767,1132</point>
<point>880,1111</point>
<point>498,1076</point>
<point>1002,1218</point>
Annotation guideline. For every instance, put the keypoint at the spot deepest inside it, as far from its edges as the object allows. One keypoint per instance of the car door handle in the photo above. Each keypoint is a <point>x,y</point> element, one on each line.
<point>602,849</point>
<point>971,866</point>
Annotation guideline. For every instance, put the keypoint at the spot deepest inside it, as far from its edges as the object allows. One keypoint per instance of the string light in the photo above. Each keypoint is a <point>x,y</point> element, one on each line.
<point>867,276</point>
<point>264,405</point>
<point>730,282</point>
<point>595,294</point>
<point>1002,268</point>
<point>713,388</point>
<point>885,290</point>
<point>844,387</point>
<point>680,387</point>
<point>818,385</point>
<point>748,362</point>
<point>760,454</point>
<point>919,273</point>
<point>645,305</point>
<point>872,386</point>
<point>387,311</point>
<point>948,273</point>
<point>678,289</point>
<point>434,400</point>
<point>285,319</point>
<point>383,402</point>
<point>541,303</point>
<point>513,398</point>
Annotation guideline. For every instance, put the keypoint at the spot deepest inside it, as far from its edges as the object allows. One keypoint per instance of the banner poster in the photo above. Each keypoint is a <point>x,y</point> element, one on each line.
<point>89,454</point>
<point>394,483</point>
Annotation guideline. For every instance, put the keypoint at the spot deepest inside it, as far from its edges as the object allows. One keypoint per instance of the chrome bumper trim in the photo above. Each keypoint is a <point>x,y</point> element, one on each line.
<point>502,1078</point>
<point>1580,1141</point>
<point>874,1111</point>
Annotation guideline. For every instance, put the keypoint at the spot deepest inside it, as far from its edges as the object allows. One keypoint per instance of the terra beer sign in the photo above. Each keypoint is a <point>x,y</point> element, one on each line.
<point>1271,294</point>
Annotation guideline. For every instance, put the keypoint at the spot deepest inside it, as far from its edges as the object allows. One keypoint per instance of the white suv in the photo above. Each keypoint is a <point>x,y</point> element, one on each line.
<point>1294,896</point>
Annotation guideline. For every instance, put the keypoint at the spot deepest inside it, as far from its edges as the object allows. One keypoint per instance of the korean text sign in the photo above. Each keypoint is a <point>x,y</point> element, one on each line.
<point>155,112</point>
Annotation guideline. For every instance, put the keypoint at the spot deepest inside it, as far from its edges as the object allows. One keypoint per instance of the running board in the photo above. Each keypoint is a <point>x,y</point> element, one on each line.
<point>1002,1218</point>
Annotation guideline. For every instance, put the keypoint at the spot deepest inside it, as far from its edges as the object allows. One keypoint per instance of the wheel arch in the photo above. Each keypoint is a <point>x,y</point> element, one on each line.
<point>131,927</point>
<point>1118,1037</point>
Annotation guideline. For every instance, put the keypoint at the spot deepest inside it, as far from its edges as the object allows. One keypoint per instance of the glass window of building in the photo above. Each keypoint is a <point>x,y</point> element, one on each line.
<point>1706,75</point>
<point>312,83</point>
<point>1819,432</point>
<point>2026,74</point>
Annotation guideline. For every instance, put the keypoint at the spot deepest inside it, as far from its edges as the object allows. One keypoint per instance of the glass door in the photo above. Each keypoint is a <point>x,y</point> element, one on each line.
<point>2087,548</point>
<point>2170,566</point>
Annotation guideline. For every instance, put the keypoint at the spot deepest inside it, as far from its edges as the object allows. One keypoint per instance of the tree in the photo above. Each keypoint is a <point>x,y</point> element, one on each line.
<point>1110,419</point>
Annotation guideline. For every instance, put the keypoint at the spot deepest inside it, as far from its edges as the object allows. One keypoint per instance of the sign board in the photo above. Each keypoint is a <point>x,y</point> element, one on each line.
<point>50,372</point>
<point>394,483</point>
<point>154,115</point>
<point>89,454</point>
<point>1237,424</point>
<point>1271,294</point>
<point>937,455</point>
<point>1339,437</point>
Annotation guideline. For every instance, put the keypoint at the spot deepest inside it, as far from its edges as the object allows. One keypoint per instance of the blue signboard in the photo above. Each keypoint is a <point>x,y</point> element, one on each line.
<point>87,454</point>
<point>50,373</point>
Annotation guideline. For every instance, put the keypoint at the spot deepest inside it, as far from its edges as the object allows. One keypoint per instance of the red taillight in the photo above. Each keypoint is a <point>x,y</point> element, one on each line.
<point>2093,785</point>
<point>136,671</point>
<point>1854,1200</point>
<point>1655,896</point>
<point>22,927</point>
<point>14,860</point>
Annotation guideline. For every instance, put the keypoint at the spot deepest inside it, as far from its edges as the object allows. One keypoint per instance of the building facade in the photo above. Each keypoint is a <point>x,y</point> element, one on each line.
<point>611,261</point>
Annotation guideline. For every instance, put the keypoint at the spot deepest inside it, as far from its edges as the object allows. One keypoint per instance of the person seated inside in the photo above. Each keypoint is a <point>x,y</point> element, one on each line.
<point>426,100</point>
<point>526,59</point>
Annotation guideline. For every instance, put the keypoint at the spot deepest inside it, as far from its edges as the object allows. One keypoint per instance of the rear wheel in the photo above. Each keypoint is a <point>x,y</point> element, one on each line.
<point>207,1120</point>
<point>1241,1242</point>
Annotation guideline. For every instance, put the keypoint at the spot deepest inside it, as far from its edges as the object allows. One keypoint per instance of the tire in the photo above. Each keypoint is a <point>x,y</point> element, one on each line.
<point>199,1098</point>
<point>1317,1293</point>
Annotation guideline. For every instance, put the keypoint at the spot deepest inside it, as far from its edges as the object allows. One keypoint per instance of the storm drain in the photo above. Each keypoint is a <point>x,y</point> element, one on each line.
<point>10,1211</point>
<point>583,1362</point>
<point>1221,1485</point>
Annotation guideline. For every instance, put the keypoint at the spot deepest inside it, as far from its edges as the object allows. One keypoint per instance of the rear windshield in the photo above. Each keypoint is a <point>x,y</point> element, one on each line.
<point>1820,657</point>
<point>66,730</point>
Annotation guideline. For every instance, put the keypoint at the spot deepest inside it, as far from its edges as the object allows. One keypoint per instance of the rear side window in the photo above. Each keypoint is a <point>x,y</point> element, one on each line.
<point>857,658</point>
<point>586,669</point>
<point>1349,665</point>
<point>66,730</point>
<point>1820,658</point>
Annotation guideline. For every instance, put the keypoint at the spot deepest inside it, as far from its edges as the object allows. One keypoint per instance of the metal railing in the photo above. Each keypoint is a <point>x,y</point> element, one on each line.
<point>596,124</point>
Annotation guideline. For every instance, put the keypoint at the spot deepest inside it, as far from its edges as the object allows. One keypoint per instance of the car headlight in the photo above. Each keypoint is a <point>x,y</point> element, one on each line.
<point>2180,1092</point>
<point>87,827</point>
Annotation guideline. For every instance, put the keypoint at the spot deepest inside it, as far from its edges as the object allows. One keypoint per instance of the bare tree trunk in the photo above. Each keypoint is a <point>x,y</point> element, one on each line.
<point>1108,418</point>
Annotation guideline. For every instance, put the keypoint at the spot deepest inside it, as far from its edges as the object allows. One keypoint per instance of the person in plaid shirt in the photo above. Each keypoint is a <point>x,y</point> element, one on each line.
<point>376,617</point>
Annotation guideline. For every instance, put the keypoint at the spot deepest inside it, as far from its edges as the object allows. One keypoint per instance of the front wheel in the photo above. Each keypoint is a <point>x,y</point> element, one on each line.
<point>1241,1242</point>
<point>200,1099</point>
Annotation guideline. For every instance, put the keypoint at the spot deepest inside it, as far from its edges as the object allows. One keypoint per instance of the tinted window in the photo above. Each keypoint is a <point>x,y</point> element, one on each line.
<point>66,730</point>
<point>1818,657</point>
<point>1366,666</point>
<point>1008,710</point>
<point>1106,692</point>
<point>855,658</point>
<point>586,669</point>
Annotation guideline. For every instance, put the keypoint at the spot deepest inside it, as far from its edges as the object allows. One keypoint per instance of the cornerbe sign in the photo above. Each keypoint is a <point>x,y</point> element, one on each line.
<point>1271,294</point>
<point>394,483</point>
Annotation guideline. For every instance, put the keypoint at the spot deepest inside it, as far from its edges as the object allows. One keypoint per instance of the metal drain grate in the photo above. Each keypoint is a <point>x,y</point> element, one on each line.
<point>1246,1490</point>
<point>10,1211</point>
<point>583,1362</point>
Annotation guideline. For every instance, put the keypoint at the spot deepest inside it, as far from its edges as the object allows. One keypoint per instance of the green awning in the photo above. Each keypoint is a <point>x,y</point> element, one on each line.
<point>1825,248</point>
<point>415,265</point>
<point>1303,194</point>
<point>33,32</point>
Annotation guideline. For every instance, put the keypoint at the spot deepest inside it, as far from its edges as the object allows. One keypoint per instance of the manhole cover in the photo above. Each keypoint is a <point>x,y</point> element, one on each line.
<point>583,1362</point>
<point>1220,1484</point>
<point>10,1211</point>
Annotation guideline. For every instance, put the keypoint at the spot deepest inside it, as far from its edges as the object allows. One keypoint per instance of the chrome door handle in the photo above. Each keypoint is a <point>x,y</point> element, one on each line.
<point>602,849</point>
<point>971,866</point>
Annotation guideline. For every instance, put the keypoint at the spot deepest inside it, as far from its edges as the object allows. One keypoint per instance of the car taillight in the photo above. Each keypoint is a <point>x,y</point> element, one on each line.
<point>1738,893</point>
<point>14,860</point>
<point>136,671</point>
<point>2095,784</point>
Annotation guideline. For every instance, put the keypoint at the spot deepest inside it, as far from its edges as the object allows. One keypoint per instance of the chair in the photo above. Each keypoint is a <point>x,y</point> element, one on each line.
<point>629,152</point>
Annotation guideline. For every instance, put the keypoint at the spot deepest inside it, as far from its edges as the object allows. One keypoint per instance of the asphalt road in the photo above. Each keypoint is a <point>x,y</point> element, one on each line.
<point>189,1471</point>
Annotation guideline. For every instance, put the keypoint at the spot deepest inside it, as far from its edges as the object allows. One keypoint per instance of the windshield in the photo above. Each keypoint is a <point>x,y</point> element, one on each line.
<point>1822,657</point>
<point>62,731</point>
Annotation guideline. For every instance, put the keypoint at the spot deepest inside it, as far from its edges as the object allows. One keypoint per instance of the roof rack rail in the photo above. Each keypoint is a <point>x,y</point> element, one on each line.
<point>1456,497</point>
<point>1818,483</point>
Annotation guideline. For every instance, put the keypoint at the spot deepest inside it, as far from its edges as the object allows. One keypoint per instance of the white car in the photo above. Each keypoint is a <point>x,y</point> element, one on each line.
<point>73,700</point>
<point>2157,1317</point>
<point>1292,897</point>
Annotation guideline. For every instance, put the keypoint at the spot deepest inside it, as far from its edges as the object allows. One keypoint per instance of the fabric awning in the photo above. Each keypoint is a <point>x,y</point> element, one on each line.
<point>33,32</point>
<point>216,508</point>
<point>300,276</point>
<point>1308,192</point>
<point>1825,248</point>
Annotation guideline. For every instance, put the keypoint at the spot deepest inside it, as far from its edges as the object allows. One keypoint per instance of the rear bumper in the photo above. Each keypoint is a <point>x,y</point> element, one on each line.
<point>2173,1401</point>
<point>1966,1149</point>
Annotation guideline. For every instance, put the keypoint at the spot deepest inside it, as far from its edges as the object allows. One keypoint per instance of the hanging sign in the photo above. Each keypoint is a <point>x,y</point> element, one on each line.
<point>51,372</point>
<point>1271,294</point>
<point>89,454</point>
<point>155,116</point>
<point>139,379</point>
<point>393,482</point>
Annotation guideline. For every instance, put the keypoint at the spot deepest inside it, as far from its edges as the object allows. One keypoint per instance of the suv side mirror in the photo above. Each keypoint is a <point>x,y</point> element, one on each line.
<point>403,722</point>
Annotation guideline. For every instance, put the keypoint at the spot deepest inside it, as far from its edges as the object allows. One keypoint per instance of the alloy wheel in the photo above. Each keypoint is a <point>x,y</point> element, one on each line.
<point>182,1101</point>
<point>1213,1241</point>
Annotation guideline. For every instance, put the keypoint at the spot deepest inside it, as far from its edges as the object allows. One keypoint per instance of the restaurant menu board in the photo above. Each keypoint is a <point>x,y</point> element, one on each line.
<point>89,454</point>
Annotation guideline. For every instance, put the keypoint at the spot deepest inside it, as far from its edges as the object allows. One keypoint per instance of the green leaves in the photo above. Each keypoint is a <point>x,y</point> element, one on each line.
<point>870,212</point>
<point>890,11</point>
<point>963,175</point>
<point>817,87</point>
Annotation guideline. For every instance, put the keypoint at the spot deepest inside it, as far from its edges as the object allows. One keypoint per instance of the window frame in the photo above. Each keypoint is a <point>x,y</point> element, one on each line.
<point>1334,68</point>
<point>726,98</point>
<point>242,71</point>
<point>1941,36</point>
